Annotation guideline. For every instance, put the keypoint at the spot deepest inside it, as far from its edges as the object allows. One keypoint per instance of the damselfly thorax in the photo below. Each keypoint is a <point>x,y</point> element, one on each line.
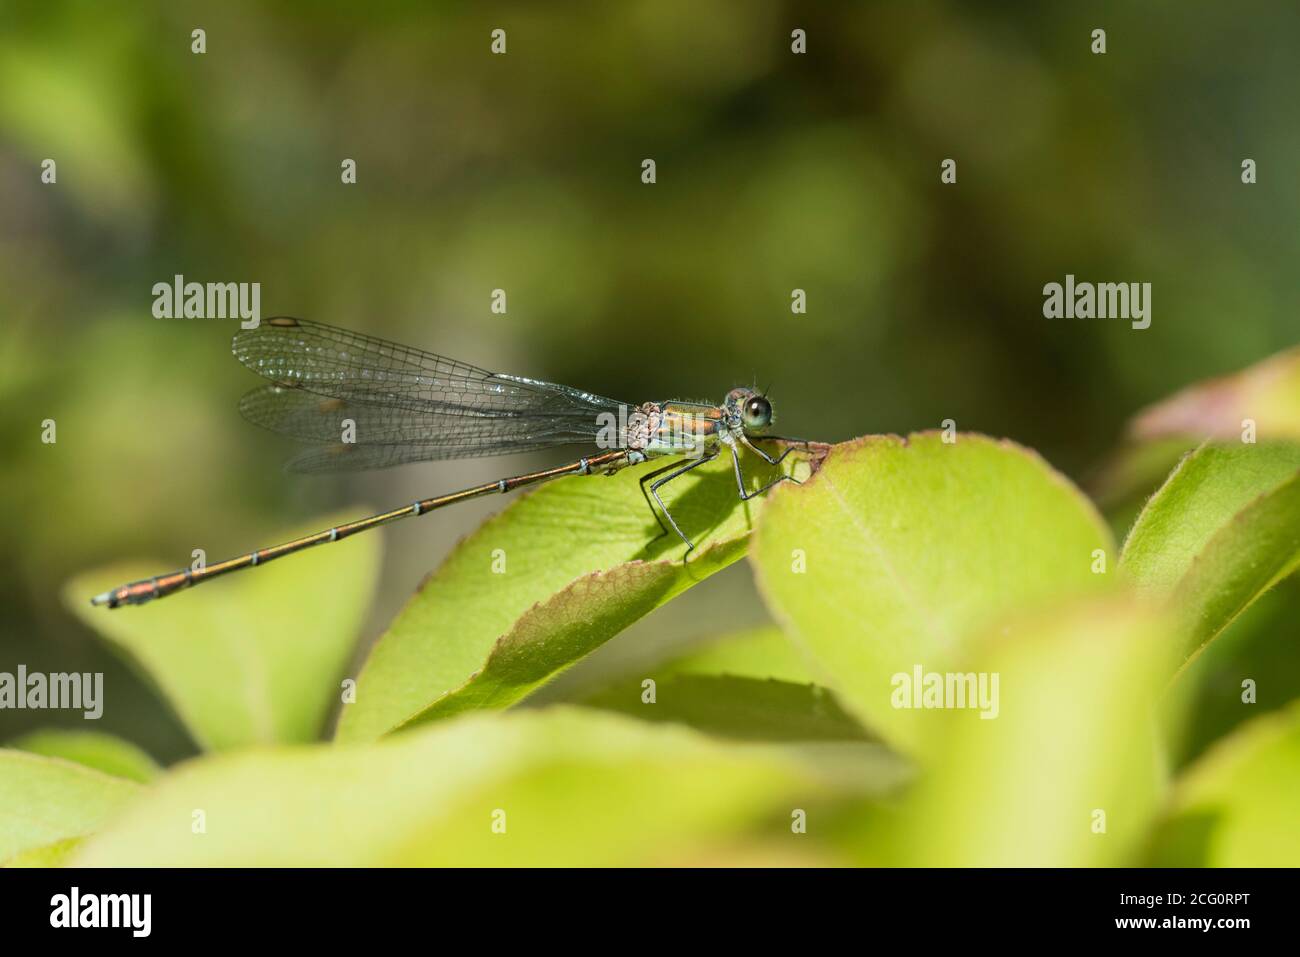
<point>666,428</point>
<point>364,403</point>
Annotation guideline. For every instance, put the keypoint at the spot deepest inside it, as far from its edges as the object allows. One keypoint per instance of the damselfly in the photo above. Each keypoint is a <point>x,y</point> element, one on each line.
<point>368,403</point>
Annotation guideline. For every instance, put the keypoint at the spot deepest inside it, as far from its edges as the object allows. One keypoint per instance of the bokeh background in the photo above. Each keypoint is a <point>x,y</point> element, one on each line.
<point>522,172</point>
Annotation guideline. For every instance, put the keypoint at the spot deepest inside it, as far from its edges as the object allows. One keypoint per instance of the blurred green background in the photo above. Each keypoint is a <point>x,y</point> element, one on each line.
<point>522,172</point>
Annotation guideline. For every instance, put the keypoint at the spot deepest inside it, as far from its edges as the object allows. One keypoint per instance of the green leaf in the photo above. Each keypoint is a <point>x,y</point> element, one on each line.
<point>1254,646</point>
<point>1267,394</point>
<point>1258,404</point>
<point>94,749</point>
<point>568,782</point>
<point>761,709</point>
<point>46,800</point>
<point>897,551</point>
<point>49,855</point>
<point>543,583</point>
<point>749,685</point>
<point>1131,474</point>
<point>765,652</point>
<point>253,658</point>
<point>1223,528</point>
<point>1236,806</point>
<point>1069,773</point>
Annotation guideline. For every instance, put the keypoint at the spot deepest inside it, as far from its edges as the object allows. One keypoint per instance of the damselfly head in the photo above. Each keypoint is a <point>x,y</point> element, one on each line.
<point>747,409</point>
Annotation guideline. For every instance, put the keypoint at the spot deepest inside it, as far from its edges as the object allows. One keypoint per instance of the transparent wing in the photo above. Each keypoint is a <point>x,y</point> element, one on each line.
<point>400,404</point>
<point>437,433</point>
<point>341,457</point>
<point>309,355</point>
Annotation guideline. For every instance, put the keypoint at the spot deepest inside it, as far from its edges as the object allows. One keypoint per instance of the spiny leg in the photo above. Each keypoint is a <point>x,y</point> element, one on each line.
<point>654,490</point>
<point>745,496</point>
<point>663,529</point>
<point>780,458</point>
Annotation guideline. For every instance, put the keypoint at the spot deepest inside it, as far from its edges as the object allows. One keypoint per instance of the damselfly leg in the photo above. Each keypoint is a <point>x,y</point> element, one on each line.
<point>650,476</point>
<point>677,473</point>
<point>746,495</point>
<point>806,444</point>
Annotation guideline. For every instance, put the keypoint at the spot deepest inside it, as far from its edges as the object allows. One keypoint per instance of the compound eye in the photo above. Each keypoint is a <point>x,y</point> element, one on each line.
<point>758,413</point>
